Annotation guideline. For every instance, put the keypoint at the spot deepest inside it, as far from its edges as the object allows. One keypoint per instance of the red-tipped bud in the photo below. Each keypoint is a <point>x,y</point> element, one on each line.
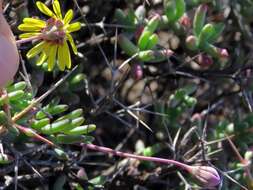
<point>206,175</point>
<point>192,43</point>
<point>185,21</point>
<point>82,174</point>
<point>223,54</point>
<point>167,52</point>
<point>137,72</point>
<point>204,60</point>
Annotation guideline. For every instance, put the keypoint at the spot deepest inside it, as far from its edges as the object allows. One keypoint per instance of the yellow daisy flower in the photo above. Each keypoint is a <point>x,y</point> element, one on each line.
<point>54,33</point>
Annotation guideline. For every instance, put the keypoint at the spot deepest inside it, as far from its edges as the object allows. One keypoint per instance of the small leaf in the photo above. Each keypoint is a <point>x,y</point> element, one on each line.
<point>144,40</point>
<point>82,130</point>
<point>153,41</point>
<point>199,19</point>
<point>56,127</point>
<point>71,139</point>
<point>127,46</point>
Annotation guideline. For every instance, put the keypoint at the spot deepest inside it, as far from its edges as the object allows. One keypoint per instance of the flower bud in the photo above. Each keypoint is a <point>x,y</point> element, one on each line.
<point>206,175</point>
<point>223,54</point>
<point>185,21</point>
<point>82,174</point>
<point>137,72</point>
<point>204,60</point>
<point>192,43</point>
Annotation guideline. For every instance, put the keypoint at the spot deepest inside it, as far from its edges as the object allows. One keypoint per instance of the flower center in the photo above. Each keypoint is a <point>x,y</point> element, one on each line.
<point>54,31</point>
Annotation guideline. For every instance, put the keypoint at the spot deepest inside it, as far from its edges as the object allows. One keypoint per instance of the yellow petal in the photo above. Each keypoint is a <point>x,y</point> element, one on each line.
<point>35,50</point>
<point>29,27</point>
<point>65,54</point>
<point>68,17</point>
<point>34,21</point>
<point>28,35</point>
<point>41,59</point>
<point>44,9</point>
<point>57,9</point>
<point>74,27</point>
<point>72,43</point>
<point>51,57</point>
<point>61,58</point>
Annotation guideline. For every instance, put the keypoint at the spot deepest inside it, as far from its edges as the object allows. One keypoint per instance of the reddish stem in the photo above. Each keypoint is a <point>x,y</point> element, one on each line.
<point>138,157</point>
<point>34,134</point>
<point>22,41</point>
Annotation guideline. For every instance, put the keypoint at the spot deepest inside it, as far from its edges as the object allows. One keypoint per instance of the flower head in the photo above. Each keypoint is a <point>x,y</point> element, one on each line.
<point>208,176</point>
<point>54,34</point>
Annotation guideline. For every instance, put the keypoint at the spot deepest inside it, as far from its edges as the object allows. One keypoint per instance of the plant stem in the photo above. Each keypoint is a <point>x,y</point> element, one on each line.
<point>31,133</point>
<point>22,41</point>
<point>138,157</point>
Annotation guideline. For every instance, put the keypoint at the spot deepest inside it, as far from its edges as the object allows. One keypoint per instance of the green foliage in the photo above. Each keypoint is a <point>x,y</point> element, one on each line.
<point>174,9</point>
<point>51,120</point>
<point>205,35</point>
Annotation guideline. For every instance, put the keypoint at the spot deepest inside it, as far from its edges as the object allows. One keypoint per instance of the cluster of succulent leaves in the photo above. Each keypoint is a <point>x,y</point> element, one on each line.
<point>205,34</point>
<point>179,103</point>
<point>53,120</point>
<point>147,47</point>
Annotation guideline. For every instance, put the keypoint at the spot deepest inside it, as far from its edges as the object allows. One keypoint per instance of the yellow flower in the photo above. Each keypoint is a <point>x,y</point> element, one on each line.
<point>53,33</point>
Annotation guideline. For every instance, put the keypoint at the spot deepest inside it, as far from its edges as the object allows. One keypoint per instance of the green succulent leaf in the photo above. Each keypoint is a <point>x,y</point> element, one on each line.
<point>199,19</point>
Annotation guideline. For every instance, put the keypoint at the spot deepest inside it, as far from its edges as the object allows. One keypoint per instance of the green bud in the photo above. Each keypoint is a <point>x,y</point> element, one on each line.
<point>230,128</point>
<point>127,46</point>
<point>152,150</point>
<point>76,83</point>
<point>190,101</point>
<point>199,19</point>
<point>82,130</point>
<point>192,43</point>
